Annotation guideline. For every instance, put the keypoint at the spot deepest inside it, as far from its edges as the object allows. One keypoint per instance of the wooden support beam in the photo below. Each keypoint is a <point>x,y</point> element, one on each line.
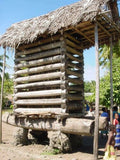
<point>76,97</point>
<point>72,38</point>
<point>40,62</point>
<point>40,42</point>
<point>37,111</point>
<point>111,82</point>
<point>39,49</point>
<point>83,34</point>
<point>37,102</point>
<point>87,27</point>
<point>75,88</point>
<point>72,44</point>
<point>74,65</point>
<point>75,81</point>
<point>78,126</point>
<point>39,55</point>
<point>43,93</point>
<point>40,77</point>
<point>111,22</point>
<point>73,58</point>
<point>51,67</point>
<point>63,84</point>
<point>75,106</point>
<point>38,84</point>
<point>97,95</point>
<point>103,28</point>
<point>73,51</point>
<point>74,73</point>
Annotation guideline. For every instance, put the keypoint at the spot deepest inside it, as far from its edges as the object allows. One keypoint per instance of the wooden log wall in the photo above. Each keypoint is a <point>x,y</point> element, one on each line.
<point>49,74</point>
<point>74,75</point>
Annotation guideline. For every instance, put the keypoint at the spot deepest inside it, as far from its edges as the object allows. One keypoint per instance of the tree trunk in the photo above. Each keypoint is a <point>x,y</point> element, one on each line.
<point>78,126</point>
<point>97,96</point>
<point>2,84</point>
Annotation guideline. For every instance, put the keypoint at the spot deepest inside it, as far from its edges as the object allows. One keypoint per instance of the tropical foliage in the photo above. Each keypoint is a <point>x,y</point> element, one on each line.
<point>105,81</point>
<point>8,82</point>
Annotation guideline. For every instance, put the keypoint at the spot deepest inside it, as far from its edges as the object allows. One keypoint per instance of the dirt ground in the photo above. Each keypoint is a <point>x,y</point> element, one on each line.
<point>35,152</point>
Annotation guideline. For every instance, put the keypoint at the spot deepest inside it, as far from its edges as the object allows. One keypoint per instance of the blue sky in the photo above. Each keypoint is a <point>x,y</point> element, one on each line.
<point>12,11</point>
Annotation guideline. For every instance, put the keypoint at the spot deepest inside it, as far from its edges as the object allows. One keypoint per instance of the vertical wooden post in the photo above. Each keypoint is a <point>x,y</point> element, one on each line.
<point>63,70</point>
<point>2,84</point>
<point>96,130</point>
<point>111,82</point>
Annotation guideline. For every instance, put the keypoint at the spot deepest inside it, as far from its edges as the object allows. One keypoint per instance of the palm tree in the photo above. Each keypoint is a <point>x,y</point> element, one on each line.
<point>1,65</point>
<point>104,56</point>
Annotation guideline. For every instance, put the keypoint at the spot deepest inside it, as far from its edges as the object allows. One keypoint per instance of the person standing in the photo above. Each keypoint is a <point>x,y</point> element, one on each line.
<point>109,148</point>
<point>117,137</point>
<point>116,119</point>
<point>105,114</point>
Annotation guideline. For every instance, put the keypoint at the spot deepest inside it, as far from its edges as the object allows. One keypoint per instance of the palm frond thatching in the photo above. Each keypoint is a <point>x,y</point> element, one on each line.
<point>29,30</point>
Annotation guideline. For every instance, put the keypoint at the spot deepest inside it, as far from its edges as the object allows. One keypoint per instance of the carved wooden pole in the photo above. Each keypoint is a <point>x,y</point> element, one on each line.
<point>2,84</point>
<point>97,96</point>
<point>111,83</point>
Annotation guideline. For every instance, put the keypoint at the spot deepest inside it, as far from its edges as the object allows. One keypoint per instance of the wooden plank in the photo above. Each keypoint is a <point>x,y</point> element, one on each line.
<point>97,95</point>
<point>40,62</point>
<point>71,38</point>
<point>63,85</point>
<point>75,81</point>
<point>73,51</point>
<point>79,126</point>
<point>111,82</point>
<point>74,73</point>
<point>73,58</point>
<point>40,69</point>
<point>43,93</point>
<point>84,35</point>
<point>103,28</point>
<point>38,84</point>
<point>39,55</point>
<point>84,24</point>
<point>75,88</point>
<point>40,42</point>
<point>74,65</point>
<point>72,44</point>
<point>39,48</point>
<point>37,102</point>
<point>37,111</point>
<point>40,77</point>
<point>113,24</point>
<point>75,106</point>
<point>72,97</point>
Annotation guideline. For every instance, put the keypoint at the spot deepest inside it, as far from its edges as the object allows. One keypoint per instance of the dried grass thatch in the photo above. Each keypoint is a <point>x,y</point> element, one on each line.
<point>29,30</point>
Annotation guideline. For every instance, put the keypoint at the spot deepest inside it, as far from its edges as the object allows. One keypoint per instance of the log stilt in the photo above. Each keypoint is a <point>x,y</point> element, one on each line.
<point>78,126</point>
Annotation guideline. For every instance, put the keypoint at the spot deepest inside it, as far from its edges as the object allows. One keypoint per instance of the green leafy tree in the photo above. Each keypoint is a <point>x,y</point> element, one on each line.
<point>104,56</point>
<point>105,81</point>
<point>89,87</point>
<point>105,85</point>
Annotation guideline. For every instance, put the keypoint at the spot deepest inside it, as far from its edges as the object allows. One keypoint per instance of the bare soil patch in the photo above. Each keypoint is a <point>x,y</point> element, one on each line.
<point>35,152</point>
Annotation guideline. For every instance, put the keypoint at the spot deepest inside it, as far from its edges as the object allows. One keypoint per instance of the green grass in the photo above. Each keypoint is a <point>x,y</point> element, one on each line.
<point>52,152</point>
<point>6,110</point>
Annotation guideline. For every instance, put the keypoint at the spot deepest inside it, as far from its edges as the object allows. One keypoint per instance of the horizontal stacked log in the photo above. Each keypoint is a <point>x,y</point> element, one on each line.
<point>78,126</point>
<point>75,72</point>
<point>49,74</point>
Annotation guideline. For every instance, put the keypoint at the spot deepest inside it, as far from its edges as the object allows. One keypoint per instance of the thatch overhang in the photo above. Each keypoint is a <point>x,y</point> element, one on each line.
<point>77,19</point>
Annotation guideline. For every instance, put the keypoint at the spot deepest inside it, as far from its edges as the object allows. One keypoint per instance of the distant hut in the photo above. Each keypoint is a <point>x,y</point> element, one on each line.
<point>49,61</point>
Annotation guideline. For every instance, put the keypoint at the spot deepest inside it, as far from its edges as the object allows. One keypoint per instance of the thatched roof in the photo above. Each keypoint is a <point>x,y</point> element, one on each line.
<point>29,30</point>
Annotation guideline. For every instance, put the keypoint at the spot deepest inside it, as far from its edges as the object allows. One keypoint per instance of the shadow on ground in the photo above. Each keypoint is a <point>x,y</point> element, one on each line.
<point>87,145</point>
